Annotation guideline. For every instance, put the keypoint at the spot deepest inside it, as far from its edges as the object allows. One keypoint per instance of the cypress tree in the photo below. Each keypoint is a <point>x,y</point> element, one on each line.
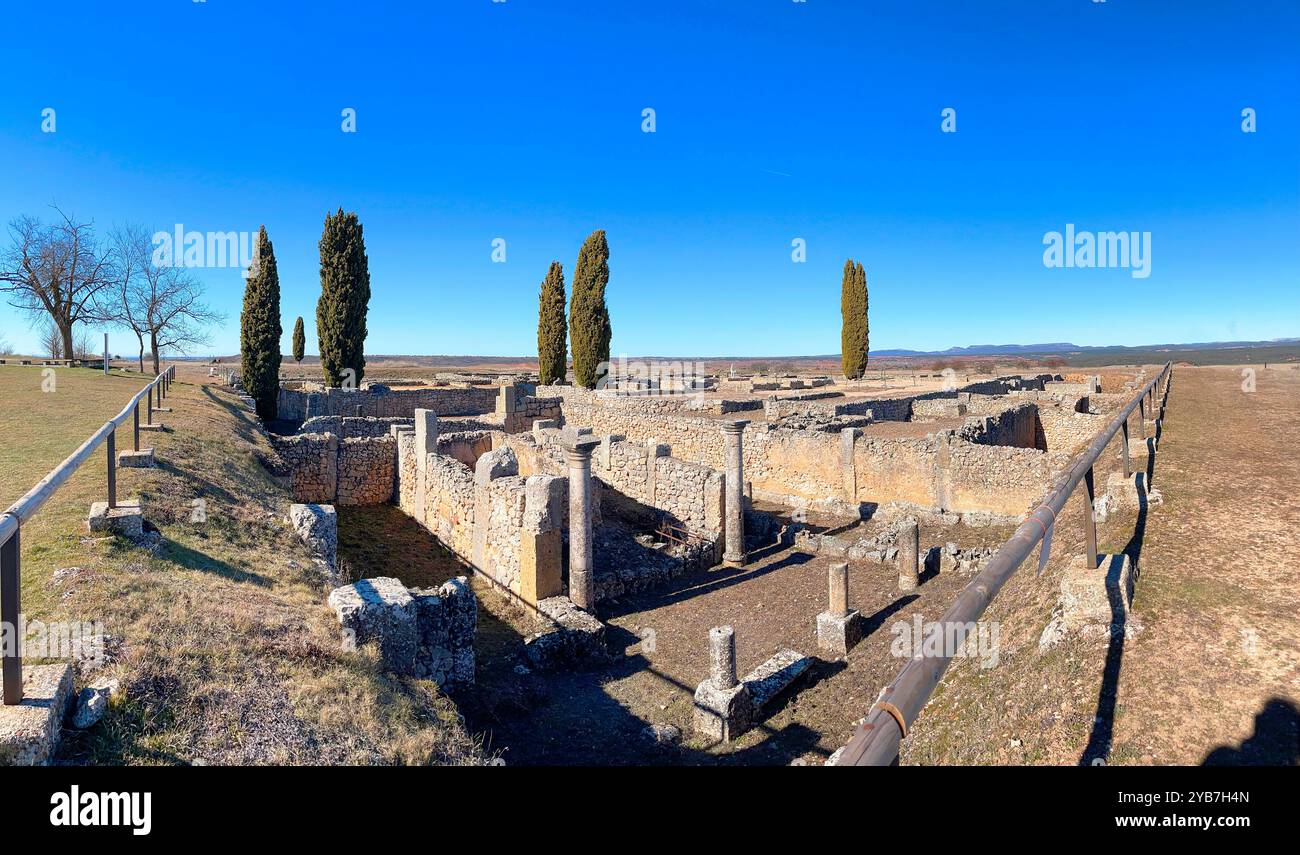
<point>299,340</point>
<point>551,348</point>
<point>344,299</point>
<point>853,312</point>
<point>259,329</point>
<point>589,327</point>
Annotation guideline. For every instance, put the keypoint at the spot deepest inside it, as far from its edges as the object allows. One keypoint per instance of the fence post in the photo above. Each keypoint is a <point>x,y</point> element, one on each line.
<point>112,468</point>
<point>10,594</point>
<point>1142,417</point>
<point>1127,470</point>
<point>1090,524</point>
<point>135,427</point>
<point>149,420</point>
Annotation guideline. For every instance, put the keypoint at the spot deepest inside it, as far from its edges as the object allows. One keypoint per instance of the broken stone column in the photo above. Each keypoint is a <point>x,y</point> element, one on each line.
<point>839,628</point>
<point>582,577</point>
<point>723,707</point>
<point>909,547</point>
<point>735,507</point>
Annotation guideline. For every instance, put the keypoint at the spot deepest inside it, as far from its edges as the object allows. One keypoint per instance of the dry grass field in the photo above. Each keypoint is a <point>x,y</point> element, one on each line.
<point>229,653</point>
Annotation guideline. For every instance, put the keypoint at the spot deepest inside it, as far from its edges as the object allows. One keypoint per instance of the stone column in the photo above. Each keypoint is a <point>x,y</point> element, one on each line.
<point>838,578</point>
<point>582,579</point>
<point>722,657</point>
<point>735,508</point>
<point>909,546</point>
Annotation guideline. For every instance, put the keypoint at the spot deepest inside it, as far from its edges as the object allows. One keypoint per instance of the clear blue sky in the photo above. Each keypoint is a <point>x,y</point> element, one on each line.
<point>776,120</point>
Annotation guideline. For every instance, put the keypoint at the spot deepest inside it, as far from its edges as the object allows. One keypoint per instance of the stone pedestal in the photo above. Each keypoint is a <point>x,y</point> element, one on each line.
<point>142,459</point>
<point>582,573</point>
<point>1102,596</point>
<point>29,731</point>
<point>723,707</point>
<point>839,628</point>
<point>153,426</point>
<point>126,519</point>
<point>734,553</point>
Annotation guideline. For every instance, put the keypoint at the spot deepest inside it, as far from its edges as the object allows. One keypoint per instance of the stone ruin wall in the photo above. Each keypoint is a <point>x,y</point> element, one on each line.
<point>800,467</point>
<point>642,481</point>
<point>325,469</point>
<point>350,427</point>
<point>299,405</point>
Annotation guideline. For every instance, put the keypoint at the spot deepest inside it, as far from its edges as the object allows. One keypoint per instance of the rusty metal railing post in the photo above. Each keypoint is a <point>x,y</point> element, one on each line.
<point>135,427</point>
<point>149,411</point>
<point>10,608</point>
<point>110,444</point>
<point>1090,524</point>
<point>1142,418</point>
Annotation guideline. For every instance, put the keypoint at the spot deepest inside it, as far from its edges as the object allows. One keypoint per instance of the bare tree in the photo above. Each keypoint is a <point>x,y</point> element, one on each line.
<point>55,270</point>
<point>52,340</point>
<point>5,348</point>
<point>163,306</point>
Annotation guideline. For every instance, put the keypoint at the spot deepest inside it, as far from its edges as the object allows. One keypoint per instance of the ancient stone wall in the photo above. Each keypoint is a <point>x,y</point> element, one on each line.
<point>312,461</point>
<point>346,427</point>
<point>324,469</point>
<point>1015,426</point>
<point>379,401</point>
<point>365,470</point>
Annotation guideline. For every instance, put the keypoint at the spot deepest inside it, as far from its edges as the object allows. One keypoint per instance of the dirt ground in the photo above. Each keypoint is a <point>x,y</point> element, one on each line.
<point>1215,675</point>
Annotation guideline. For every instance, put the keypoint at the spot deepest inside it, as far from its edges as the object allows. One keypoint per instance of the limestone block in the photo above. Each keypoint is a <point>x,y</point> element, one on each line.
<point>722,714</point>
<point>379,610</point>
<point>499,463</point>
<point>142,459</point>
<point>838,634</point>
<point>1101,596</point>
<point>775,675</point>
<point>318,527</point>
<point>30,730</point>
<point>126,519</point>
<point>569,637</point>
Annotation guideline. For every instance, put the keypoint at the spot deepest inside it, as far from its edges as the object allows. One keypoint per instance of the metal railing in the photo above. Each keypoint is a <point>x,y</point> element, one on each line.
<point>875,742</point>
<point>11,663</point>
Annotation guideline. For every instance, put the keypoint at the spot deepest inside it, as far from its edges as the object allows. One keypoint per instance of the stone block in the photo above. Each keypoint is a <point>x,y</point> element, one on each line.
<point>774,676</point>
<point>447,621</point>
<point>153,426</point>
<point>142,459</point>
<point>379,610</point>
<point>722,714</point>
<point>1101,596</point>
<point>30,730</point>
<point>126,519</point>
<point>838,634</point>
<point>569,637</point>
<point>499,463</point>
<point>318,527</point>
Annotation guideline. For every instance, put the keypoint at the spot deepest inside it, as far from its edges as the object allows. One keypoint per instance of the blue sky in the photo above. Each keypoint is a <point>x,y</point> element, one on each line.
<point>775,120</point>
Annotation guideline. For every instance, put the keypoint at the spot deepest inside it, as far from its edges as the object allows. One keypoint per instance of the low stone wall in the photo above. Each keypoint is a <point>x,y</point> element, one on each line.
<point>506,526</point>
<point>379,401</point>
<point>324,469</point>
<point>349,427</point>
<point>1069,431</point>
<point>312,463</point>
<point>1016,426</point>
